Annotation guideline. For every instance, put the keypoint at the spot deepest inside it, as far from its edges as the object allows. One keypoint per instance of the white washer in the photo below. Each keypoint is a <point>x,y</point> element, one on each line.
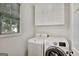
<point>56,47</point>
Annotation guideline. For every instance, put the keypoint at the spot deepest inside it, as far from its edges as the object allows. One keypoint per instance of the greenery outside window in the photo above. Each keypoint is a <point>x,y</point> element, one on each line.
<point>9,18</point>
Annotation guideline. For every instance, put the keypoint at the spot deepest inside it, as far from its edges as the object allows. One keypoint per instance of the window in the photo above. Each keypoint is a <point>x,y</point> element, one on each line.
<point>9,18</point>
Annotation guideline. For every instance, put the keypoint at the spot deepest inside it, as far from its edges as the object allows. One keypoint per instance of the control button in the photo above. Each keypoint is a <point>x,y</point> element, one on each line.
<point>55,43</point>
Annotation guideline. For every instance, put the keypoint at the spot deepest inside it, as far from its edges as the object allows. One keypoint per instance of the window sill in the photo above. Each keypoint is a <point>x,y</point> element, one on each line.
<point>6,35</point>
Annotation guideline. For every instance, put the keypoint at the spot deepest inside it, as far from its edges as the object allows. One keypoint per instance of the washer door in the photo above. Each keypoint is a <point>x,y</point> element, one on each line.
<point>55,51</point>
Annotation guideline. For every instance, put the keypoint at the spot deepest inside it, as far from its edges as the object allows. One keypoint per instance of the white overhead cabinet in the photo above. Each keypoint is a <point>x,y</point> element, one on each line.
<point>49,14</point>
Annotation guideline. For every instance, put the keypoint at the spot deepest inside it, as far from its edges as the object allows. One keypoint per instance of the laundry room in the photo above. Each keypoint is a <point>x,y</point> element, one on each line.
<point>39,29</point>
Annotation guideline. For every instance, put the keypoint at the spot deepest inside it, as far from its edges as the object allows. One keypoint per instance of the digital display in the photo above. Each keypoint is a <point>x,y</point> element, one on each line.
<point>62,44</point>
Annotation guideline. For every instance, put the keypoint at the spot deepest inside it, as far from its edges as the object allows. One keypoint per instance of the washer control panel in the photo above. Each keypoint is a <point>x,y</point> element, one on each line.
<point>63,44</point>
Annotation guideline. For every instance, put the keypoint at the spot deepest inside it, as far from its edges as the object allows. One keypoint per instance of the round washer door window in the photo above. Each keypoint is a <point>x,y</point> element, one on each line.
<point>55,51</point>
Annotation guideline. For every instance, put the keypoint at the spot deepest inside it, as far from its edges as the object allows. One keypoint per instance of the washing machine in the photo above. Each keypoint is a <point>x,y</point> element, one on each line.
<point>56,47</point>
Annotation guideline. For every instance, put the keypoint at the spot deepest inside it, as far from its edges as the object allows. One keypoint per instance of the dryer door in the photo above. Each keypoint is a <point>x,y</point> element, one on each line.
<point>55,51</point>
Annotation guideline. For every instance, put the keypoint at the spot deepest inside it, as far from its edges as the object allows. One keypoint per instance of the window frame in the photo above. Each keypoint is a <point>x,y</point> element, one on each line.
<point>11,34</point>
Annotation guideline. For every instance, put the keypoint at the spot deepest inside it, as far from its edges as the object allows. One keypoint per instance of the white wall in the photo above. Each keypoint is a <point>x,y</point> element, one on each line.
<point>17,45</point>
<point>58,30</point>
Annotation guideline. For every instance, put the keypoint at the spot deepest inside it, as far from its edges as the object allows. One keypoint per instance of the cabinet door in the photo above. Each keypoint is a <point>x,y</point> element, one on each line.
<point>75,7</point>
<point>76,26</point>
<point>49,14</point>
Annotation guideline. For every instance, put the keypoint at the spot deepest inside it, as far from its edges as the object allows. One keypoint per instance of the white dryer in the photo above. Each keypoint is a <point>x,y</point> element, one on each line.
<point>36,46</point>
<point>56,47</point>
